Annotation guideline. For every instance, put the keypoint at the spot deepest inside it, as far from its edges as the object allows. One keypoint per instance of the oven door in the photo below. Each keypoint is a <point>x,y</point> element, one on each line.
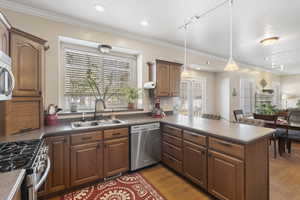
<point>7,81</point>
<point>36,180</point>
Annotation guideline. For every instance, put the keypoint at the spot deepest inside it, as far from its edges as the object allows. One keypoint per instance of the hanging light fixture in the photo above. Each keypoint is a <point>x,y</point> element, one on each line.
<point>185,72</point>
<point>231,65</point>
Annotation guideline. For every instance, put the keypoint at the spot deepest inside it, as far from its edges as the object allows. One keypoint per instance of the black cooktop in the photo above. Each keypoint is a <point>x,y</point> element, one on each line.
<point>18,155</point>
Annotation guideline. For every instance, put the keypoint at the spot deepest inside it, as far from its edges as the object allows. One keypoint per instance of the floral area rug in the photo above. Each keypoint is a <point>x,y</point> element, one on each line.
<point>129,187</point>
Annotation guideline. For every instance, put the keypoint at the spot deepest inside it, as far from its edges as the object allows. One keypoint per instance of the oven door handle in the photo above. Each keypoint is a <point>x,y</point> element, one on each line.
<point>43,179</point>
<point>12,80</point>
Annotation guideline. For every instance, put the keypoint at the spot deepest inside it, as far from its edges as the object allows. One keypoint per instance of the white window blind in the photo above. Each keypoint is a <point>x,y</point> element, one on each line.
<point>113,70</point>
<point>246,95</point>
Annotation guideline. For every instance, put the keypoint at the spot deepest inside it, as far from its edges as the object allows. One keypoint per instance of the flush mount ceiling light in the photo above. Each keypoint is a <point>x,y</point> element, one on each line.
<point>269,41</point>
<point>231,65</point>
<point>99,8</point>
<point>144,23</point>
<point>104,48</point>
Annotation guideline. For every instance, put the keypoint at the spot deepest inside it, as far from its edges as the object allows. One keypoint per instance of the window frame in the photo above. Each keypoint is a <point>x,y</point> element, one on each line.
<point>90,48</point>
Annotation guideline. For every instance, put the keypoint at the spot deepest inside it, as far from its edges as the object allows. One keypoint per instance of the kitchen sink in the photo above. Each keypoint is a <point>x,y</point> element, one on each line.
<point>95,124</point>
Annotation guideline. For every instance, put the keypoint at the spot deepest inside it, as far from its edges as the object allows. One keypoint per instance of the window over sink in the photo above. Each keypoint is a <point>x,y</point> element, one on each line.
<point>113,71</point>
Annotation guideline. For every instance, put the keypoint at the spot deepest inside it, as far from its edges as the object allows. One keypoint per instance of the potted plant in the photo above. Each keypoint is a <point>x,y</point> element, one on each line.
<point>131,94</point>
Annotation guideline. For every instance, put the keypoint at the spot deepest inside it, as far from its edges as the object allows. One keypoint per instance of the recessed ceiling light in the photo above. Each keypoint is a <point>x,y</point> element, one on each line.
<point>144,23</point>
<point>99,8</point>
<point>269,41</point>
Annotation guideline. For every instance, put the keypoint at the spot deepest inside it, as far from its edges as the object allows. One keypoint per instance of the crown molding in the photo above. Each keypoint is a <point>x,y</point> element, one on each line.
<point>18,7</point>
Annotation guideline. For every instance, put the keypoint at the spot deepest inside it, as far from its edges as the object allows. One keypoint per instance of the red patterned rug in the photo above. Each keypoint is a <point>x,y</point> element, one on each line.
<point>129,187</point>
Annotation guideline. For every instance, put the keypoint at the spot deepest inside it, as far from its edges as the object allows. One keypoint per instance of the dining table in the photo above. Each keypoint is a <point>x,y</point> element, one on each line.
<point>285,127</point>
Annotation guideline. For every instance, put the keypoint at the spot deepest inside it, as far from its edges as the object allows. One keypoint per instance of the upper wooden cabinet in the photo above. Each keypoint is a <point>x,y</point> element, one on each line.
<point>27,53</point>
<point>20,115</point>
<point>4,34</point>
<point>175,77</point>
<point>167,78</point>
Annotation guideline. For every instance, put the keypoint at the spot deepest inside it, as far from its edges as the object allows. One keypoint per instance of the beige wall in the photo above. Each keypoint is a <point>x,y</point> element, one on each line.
<point>234,83</point>
<point>290,86</point>
<point>51,30</point>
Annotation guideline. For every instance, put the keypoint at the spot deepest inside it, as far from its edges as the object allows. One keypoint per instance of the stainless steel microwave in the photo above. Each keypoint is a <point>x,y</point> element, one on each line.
<point>7,81</point>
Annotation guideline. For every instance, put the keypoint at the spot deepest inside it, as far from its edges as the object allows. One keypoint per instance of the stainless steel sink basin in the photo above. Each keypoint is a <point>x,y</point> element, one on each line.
<point>95,124</point>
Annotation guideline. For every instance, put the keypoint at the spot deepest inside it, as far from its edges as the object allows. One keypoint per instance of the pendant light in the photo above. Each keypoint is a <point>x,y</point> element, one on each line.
<point>231,65</point>
<point>185,72</point>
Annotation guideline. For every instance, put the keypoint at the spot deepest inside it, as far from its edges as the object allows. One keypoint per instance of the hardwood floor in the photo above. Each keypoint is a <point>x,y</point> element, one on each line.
<point>284,180</point>
<point>285,175</point>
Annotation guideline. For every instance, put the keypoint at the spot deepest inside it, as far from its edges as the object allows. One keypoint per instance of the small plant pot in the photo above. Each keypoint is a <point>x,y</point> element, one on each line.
<point>131,106</point>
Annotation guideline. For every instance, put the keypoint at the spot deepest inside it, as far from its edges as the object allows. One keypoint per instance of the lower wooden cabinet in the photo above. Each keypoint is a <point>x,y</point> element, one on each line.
<point>58,178</point>
<point>116,156</point>
<point>225,176</point>
<point>86,163</point>
<point>20,114</point>
<point>195,163</point>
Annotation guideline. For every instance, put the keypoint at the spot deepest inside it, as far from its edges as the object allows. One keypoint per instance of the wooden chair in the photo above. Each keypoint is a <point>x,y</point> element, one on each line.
<point>273,120</point>
<point>238,113</point>
<point>292,135</point>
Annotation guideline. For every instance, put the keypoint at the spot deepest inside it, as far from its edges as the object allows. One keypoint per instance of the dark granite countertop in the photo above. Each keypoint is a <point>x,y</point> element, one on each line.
<point>10,182</point>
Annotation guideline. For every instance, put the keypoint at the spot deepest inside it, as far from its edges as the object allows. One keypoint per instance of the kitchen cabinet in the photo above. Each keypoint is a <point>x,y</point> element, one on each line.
<point>4,34</point>
<point>195,163</point>
<point>116,156</point>
<point>167,78</point>
<point>175,77</point>
<point>172,152</point>
<point>20,114</point>
<point>86,162</point>
<point>225,176</point>
<point>27,53</point>
<point>59,154</point>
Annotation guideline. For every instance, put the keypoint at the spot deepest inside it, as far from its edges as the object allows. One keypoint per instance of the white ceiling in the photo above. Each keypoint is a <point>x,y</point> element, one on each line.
<point>253,21</point>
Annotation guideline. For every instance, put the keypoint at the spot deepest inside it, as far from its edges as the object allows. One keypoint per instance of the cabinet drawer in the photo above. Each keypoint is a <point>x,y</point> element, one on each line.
<point>172,162</point>
<point>176,132</point>
<point>227,147</point>
<point>115,133</point>
<point>172,140</point>
<point>194,138</point>
<point>172,150</point>
<point>86,137</point>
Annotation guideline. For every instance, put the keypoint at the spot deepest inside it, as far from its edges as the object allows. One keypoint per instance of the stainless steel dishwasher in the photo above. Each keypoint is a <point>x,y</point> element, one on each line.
<point>145,145</point>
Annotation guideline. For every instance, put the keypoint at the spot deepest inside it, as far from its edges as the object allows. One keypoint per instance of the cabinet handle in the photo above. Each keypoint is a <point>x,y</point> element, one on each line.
<point>98,146</point>
<point>225,144</point>
<point>114,134</point>
<point>209,154</point>
<point>86,138</point>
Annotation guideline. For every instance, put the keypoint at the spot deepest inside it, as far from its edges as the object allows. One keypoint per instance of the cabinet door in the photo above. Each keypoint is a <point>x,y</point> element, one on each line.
<point>175,76</point>
<point>22,114</point>
<point>225,176</point>
<point>58,178</point>
<point>4,38</point>
<point>86,163</point>
<point>194,163</point>
<point>162,78</point>
<point>116,156</point>
<point>26,66</point>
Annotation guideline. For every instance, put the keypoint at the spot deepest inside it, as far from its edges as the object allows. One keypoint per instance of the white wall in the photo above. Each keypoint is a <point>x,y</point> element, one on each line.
<point>290,86</point>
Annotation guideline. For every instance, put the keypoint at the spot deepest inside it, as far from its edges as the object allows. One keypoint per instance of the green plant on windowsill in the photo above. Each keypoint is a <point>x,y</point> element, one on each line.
<point>267,109</point>
<point>131,94</point>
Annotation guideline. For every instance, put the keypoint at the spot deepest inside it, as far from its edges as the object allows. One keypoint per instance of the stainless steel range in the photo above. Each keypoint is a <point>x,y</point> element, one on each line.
<point>31,155</point>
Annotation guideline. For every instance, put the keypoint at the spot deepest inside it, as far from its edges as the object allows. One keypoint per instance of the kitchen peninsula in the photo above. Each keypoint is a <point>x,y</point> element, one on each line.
<point>228,160</point>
